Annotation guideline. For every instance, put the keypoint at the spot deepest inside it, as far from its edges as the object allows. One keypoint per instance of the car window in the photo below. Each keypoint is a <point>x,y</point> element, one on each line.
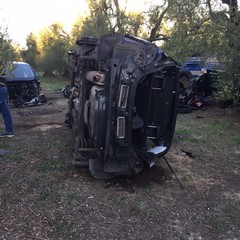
<point>22,71</point>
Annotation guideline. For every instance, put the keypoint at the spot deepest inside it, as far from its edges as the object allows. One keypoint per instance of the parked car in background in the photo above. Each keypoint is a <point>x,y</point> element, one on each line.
<point>23,85</point>
<point>192,69</point>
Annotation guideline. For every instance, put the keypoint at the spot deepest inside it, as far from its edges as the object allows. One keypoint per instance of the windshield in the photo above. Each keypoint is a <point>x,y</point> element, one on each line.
<point>22,71</point>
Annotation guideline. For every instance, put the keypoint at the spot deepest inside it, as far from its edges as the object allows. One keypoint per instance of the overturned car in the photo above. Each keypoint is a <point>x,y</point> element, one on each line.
<point>123,102</point>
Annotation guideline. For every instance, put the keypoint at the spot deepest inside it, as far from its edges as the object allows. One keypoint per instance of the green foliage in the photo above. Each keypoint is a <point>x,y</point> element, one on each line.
<point>107,16</point>
<point>7,51</point>
<point>97,22</point>
<point>192,31</point>
<point>210,29</point>
<point>76,30</point>
<point>55,59</point>
<point>95,26</point>
<point>30,55</point>
<point>228,91</point>
<point>53,45</point>
<point>181,28</point>
<point>6,68</point>
<point>229,86</point>
<point>133,24</point>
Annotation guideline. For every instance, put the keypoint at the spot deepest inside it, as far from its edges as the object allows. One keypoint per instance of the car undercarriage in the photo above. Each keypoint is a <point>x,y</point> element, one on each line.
<point>123,104</point>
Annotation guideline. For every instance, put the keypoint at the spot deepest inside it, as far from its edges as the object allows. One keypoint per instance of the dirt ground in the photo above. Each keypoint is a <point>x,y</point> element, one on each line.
<point>42,196</point>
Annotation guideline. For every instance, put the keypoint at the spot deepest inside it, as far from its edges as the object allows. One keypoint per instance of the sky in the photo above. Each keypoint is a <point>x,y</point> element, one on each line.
<point>25,16</point>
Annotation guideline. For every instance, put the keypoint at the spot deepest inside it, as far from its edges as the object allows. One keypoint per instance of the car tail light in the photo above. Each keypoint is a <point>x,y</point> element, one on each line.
<point>122,103</point>
<point>121,127</point>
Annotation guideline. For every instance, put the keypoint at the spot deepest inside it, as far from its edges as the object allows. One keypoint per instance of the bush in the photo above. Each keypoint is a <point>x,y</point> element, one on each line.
<point>228,90</point>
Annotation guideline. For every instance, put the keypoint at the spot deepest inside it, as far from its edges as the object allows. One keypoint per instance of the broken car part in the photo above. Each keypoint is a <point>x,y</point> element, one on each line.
<point>24,86</point>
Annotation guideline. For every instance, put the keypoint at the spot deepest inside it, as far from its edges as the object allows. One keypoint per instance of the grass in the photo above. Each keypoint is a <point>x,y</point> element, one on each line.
<point>48,197</point>
<point>115,199</point>
<point>16,157</point>
<point>216,225</point>
<point>74,197</point>
<point>32,182</point>
<point>42,194</point>
<point>53,83</point>
<point>232,209</point>
<point>215,134</point>
<point>236,140</point>
<point>65,230</point>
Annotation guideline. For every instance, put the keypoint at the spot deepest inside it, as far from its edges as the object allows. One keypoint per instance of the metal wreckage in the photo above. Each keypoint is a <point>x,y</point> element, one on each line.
<point>123,104</point>
<point>23,85</point>
<point>25,94</point>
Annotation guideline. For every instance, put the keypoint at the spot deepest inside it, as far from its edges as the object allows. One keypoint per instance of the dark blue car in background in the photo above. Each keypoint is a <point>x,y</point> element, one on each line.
<point>22,81</point>
<point>192,69</point>
<point>23,85</point>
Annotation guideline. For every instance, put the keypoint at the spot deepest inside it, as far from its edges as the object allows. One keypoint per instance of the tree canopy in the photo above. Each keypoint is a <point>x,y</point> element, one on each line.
<point>53,45</point>
<point>181,27</point>
<point>7,49</point>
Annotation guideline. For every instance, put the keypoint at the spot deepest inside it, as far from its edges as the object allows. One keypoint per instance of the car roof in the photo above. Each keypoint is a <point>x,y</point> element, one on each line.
<point>20,63</point>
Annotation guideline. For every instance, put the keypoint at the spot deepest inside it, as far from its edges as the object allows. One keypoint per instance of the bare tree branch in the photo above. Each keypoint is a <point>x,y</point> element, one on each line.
<point>157,25</point>
<point>209,8</point>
